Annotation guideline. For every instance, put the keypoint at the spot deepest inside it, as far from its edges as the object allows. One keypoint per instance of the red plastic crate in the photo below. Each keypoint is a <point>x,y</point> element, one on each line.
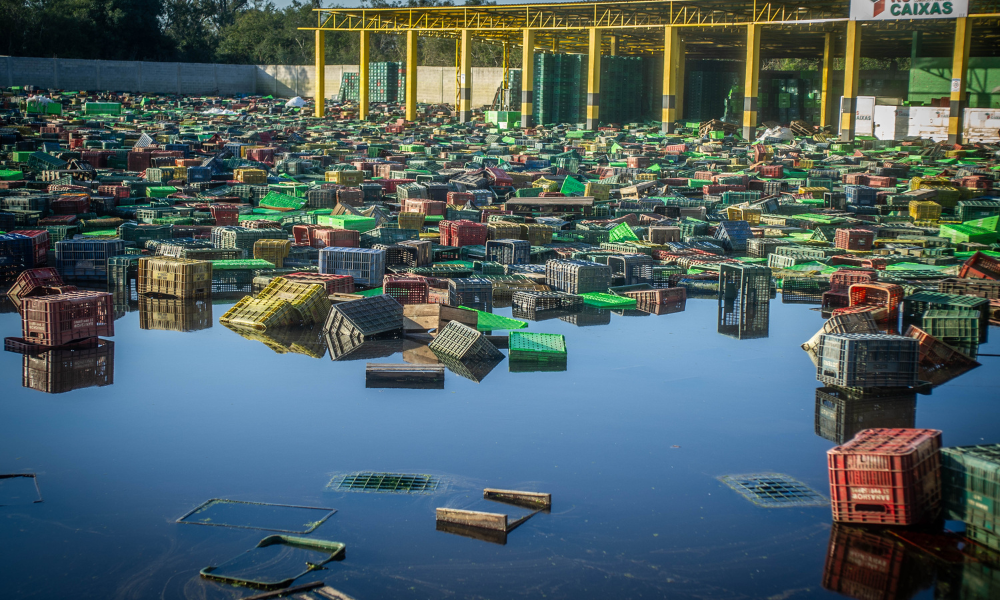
<point>335,284</point>
<point>880,181</point>
<point>876,264</point>
<point>499,177</point>
<point>771,171</point>
<point>70,204</point>
<point>60,319</point>
<point>115,191</point>
<point>842,279</point>
<point>33,281</point>
<point>427,207</point>
<point>460,198</point>
<point>342,238</point>
<point>391,184</point>
<point>225,214</point>
<point>406,290</point>
<point>855,179</point>
<point>886,476</point>
<point>981,266</point>
<point>40,242</point>
<point>854,239</point>
<point>462,233</point>
<point>879,313</point>
<point>865,565</point>
<point>304,234</point>
<point>885,295</point>
<point>662,296</point>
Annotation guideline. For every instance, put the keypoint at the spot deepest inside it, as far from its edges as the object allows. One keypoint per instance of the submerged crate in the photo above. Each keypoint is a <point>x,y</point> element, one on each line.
<point>63,318</point>
<point>886,476</point>
<point>537,301</point>
<point>970,476</point>
<point>176,277</point>
<point>362,319</point>
<point>309,299</point>
<point>464,343</point>
<point>866,360</point>
<point>577,276</point>
<point>260,315</point>
<point>957,328</point>
<point>365,265</point>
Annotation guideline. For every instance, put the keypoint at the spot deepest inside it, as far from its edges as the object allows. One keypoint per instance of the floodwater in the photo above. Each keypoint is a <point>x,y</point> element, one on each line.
<point>630,441</point>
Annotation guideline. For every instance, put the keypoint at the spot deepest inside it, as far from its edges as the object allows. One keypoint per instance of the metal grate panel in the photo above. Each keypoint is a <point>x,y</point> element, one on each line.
<point>774,490</point>
<point>393,483</point>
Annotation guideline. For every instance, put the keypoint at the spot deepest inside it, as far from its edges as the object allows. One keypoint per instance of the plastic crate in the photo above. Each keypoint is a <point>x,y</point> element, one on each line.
<point>175,277</point>
<point>40,243</point>
<point>577,276</point>
<point>980,288</point>
<point>334,284</point>
<point>915,306</point>
<point>957,328</point>
<point>173,314</point>
<point>309,299</point>
<point>867,360</point>
<point>884,295</point>
<point>473,292</point>
<point>980,266</point>
<point>63,370</point>
<point>406,290</point>
<point>33,282</point>
<point>631,268</point>
<point>462,233</point>
<point>658,297</point>
<point>63,318</point>
<point>273,251</point>
<point>86,260</point>
<point>365,318</point>
<point>337,238</point>
<point>886,476</point>
<point>538,301</point>
<point>873,565</point>
<point>365,265</point>
<point>854,239</point>
<point>970,478</point>
<point>508,251</point>
<point>842,280</point>
<point>464,343</point>
<point>260,315</point>
<point>537,347</point>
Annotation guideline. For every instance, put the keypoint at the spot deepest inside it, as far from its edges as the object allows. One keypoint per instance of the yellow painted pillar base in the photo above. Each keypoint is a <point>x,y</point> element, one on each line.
<point>750,82</point>
<point>528,79</point>
<point>594,78</point>
<point>668,104</point>
<point>320,94</point>
<point>959,70</point>
<point>852,66</point>
<point>465,79</point>
<point>363,77</point>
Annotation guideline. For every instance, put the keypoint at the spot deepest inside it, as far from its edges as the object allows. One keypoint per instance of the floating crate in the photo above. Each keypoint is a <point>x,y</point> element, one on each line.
<point>464,343</point>
<point>86,260</point>
<point>843,412</point>
<point>577,276</point>
<point>64,318</point>
<point>33,282</point>
<point>886,477</point>
<point>406,290</point>
<point>883,295</point>
<point>472,292</point>
<point>866,360</point>
<point>631,269</point>
<point>366,318</point>
<point>541,348</point>
<point>970,477</point>
<point>175,277</point>
<point>959,329</point>
<point>260,315</point>
<point>538,301</point>
<point>915,306</point>
<point>310,300</point>
<point>365,265</point>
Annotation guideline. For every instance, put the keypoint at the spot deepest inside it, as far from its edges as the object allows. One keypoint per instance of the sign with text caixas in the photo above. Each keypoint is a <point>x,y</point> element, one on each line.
<point>890,10</point>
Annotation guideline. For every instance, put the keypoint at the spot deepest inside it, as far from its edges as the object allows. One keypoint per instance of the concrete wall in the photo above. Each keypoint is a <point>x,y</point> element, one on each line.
<point>435,85</point>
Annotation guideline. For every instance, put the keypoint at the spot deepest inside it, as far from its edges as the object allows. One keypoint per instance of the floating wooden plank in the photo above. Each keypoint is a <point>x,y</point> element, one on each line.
<point>338,297</point>
<point>529,499</point>
<point>436,316</point>
<point>473,518</point>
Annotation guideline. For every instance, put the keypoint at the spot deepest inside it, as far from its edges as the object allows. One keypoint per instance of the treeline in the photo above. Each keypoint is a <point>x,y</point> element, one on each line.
<point>223,31</point>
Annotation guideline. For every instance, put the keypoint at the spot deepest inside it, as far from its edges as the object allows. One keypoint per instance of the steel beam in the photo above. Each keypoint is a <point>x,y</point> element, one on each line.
<point>411,75</point>
<point>319,96</point>
<point>363,76</point>
<point>465,78</point>
<point>825,83</point>
<point>668,104</point>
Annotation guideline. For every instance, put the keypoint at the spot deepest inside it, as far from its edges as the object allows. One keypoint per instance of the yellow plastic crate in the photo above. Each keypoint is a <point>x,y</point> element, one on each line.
<point>925,210</point>
<point>251,313</point>
<point>598,191</point>
<point>309,299</point>
<point>351,178</point>
<point>251,176</point>
<point>411,220</point>
<point>273,251</point>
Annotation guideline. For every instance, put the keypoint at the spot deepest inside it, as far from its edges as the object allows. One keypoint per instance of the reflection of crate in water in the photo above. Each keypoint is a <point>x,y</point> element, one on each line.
<point>841,413</point>
<point>58,371</point>
<point>867,565</point>
<point>173,314</point>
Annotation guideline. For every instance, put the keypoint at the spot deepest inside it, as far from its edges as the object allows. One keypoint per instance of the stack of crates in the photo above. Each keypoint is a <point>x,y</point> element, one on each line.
<point>886,477</point>
<point>471,292</point>
<point>622,89</point>
<point>244,238</point>
<point>971,489</point>
<point>350,87</point>
<point>365,265</point>
<point>508,252</point>
<point>462,233</point>
<point>560,88</point>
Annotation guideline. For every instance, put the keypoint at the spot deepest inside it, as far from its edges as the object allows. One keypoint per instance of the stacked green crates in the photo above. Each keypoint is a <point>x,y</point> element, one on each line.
<point>560,90</point>
<point>350,87</point>
<point>514,86</point>
<point>383,83</point>
<point>622,79</point>
<point>401,84</point>
<point>970,477</point>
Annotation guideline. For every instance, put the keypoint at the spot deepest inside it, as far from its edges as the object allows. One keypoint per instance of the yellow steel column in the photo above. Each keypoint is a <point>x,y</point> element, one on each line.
<point>824,86</point>
<point>852,67</point>
<point>363,77</point>
<point>528,78</point>
<point>679,82</point>
<point>411,75</point>
<point>750,82</point>
<point>594,78</point>
<point>465,79</point>
<point>612,45</point>
<point>959,68</point>
<point>320,94</point>
<point>668,105</point>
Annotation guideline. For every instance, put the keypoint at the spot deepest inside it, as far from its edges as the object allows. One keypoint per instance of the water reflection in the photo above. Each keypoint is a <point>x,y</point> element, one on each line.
<point>172,314</point>
<point>744,301</point>
<point>868,563</point>
<point>63,370</point>
<point>843,412</point>
<point>282,340</point>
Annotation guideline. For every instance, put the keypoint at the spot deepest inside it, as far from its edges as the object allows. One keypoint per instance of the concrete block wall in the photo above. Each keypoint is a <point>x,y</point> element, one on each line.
<point>435,85</point>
